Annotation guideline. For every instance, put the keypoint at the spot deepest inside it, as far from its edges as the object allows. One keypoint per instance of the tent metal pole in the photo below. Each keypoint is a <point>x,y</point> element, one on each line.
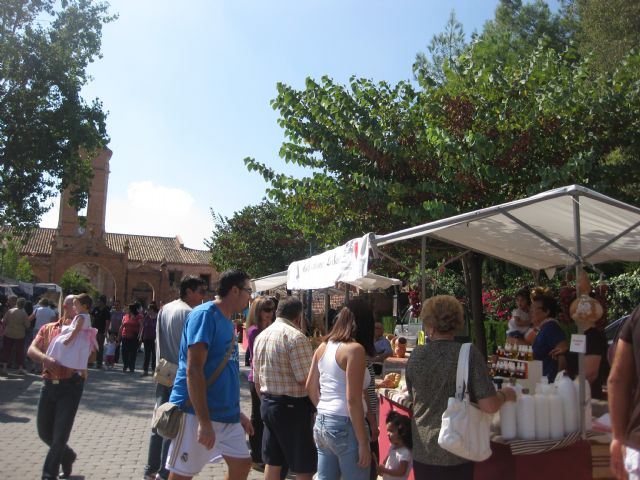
<point>581,367</point>
<point>612,240</point>
<point>327,307</point>
<point>423,261</point>
<point>540,235</point>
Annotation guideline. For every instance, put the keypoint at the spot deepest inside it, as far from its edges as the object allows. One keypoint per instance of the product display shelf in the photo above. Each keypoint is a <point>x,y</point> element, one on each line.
<point>532,369</point>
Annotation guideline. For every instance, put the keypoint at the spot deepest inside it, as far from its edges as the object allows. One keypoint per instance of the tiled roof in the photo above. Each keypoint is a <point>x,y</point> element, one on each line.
<point>156,249</point>
<point>36,241</point>
<point>141,247</point>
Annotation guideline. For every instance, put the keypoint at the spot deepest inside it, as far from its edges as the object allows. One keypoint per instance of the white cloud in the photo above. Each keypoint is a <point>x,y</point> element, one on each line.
<point>152,209</point>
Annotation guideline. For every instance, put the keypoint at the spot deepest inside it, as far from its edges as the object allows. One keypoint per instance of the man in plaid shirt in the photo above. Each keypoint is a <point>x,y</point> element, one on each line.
<point>281,362</point>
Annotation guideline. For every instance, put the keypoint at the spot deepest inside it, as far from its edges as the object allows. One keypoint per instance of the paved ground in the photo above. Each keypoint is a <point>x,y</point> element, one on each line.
<point>110,434</point>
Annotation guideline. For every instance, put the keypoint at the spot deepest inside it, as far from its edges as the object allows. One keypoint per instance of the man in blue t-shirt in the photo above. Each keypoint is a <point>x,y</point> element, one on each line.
<point>213,427</point>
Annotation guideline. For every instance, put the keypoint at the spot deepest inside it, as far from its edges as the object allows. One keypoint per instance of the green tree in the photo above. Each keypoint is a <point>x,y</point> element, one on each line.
<point>45,48</point>
<point>609,29</point>
<point>13,264</point>
<point>73,283</point>
<point>444,50</point>
<point>256,240</point>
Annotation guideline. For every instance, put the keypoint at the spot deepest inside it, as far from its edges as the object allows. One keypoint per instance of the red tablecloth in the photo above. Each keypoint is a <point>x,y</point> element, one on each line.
<point>387,406</point>
<point>570,463</point>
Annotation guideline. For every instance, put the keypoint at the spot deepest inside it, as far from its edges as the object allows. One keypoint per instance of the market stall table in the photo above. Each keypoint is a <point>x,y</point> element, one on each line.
<point>572,462</point>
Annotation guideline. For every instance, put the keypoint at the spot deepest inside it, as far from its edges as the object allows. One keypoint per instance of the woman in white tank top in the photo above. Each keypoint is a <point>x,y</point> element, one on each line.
<point>336,384</point>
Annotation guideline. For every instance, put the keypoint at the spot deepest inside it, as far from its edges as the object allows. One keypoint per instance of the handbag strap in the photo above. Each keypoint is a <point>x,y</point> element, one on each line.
<point>218,370</point>
<point>462,373</point>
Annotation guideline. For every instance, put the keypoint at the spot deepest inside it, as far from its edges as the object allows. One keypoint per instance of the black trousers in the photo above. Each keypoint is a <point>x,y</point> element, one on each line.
<point>158,446</point>
<point>57,409</point>
<point>129,352</point>
<point>255,440</point>
<point>149,354</point>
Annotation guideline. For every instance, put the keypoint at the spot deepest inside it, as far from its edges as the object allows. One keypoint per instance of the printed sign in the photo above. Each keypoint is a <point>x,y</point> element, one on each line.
<point>342,264</point>
<point>578,343</point>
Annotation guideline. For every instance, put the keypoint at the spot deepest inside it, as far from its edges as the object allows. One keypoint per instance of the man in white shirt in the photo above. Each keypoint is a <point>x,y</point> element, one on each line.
<point>169,326</point>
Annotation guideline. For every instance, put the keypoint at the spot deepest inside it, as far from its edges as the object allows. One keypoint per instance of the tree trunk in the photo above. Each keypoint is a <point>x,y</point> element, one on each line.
<point>475,276</point>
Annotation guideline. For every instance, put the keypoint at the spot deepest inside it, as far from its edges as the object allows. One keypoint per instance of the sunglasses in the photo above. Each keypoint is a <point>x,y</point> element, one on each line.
<point>268,309</point>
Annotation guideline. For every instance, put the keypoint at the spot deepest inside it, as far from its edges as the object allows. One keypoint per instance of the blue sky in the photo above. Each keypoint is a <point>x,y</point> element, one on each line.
<point>188,87</point>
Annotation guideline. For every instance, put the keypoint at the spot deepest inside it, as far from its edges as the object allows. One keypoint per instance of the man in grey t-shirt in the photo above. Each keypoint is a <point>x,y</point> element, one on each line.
<point>169,326</point>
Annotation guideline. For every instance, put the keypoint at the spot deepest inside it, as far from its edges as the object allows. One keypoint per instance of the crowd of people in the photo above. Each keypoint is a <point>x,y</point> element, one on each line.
<point>313,412</point>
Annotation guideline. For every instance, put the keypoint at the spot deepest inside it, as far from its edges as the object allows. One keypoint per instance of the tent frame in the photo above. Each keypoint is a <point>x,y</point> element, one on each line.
<point>575,192</point>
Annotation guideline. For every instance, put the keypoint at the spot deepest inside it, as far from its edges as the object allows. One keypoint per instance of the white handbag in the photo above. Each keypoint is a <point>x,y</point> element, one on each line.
<point>465,429</point>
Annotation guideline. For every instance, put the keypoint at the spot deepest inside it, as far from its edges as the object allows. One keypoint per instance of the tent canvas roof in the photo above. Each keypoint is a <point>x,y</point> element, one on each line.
<point>269,282</point>
<point>539,232</point>
<point>373,281</point>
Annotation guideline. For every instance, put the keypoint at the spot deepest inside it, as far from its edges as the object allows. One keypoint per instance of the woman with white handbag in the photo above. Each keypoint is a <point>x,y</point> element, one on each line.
<point>436,385</point>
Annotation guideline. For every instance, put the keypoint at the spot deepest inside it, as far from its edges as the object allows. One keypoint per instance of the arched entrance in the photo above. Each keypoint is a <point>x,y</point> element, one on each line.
<point>100,278</point>
<point>142,292</point>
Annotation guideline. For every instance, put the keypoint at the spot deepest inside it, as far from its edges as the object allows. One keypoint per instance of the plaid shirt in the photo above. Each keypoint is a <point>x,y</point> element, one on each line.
<point>281,359</point>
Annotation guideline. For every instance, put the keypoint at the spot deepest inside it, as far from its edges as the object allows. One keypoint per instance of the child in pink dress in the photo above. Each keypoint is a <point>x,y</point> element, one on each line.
<point>76,341</point>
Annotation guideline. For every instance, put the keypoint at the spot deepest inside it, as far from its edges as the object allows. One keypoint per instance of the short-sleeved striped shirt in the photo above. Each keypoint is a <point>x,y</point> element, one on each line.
<point>281,359</point>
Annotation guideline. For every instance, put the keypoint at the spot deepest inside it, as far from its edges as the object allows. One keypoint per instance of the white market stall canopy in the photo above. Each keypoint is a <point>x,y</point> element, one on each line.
<point>275,280</point>
<point>372,281</point>
<point>551,229</point>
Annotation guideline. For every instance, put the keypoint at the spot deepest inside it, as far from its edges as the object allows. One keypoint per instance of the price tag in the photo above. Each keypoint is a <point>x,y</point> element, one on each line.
<point>578,343</point>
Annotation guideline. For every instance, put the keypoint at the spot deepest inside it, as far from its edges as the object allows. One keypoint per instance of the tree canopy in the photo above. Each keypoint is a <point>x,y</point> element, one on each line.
<point>255,240</point>
<point>45,124</point>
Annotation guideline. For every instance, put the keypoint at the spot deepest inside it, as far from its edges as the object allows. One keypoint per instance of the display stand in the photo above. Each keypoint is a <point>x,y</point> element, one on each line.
<point>572,462</point>
<point>532,369</point>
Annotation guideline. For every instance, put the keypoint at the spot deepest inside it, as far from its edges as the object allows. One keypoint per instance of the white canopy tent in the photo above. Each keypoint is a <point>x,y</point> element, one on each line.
<point>275,280</point>
<point>539,232</point>
<point>567,226</point>
<point>372,281</point>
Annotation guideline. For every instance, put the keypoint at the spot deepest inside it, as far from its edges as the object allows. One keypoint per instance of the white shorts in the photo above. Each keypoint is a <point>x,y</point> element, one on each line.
<point>187,457</point>
<point>632,463</point>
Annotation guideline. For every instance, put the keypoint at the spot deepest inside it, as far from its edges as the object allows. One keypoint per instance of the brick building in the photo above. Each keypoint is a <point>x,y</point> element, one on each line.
<point>121,266</point>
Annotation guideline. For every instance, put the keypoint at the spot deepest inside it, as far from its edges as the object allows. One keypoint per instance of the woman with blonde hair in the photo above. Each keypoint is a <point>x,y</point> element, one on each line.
<point>261,315</point>
<point>431,380</point>
<point>336,383</point>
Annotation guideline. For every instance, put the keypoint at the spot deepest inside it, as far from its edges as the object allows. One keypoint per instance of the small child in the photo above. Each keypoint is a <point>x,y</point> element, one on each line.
<point>110,350</point>
<point>74,344</point>
<point>399,462</point>
<point>519,324</point>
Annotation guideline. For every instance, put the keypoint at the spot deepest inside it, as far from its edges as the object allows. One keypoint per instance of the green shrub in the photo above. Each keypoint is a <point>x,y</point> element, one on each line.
<point>624,294</point>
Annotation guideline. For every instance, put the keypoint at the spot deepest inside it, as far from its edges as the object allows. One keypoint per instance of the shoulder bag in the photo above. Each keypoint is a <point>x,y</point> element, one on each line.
<point>465,429</point>
<point>168,416</point>
<point>165,372</point>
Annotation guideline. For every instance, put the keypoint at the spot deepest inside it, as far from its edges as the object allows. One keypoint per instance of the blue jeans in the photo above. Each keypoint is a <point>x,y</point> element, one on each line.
<point>337,449</point>
<point>57,409</point>
<point>158,446</point>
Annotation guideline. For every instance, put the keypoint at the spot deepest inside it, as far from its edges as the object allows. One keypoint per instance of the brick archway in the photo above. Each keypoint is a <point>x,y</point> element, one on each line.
<point>143,292</point>
<point>101,278</point>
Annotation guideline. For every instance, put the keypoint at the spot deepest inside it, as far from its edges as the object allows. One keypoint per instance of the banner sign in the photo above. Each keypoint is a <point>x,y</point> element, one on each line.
<point>345,263</point>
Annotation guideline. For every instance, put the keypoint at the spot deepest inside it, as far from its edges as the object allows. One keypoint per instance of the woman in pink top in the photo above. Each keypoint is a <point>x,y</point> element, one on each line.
<point>336,385</point>
<point>261,315</point>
